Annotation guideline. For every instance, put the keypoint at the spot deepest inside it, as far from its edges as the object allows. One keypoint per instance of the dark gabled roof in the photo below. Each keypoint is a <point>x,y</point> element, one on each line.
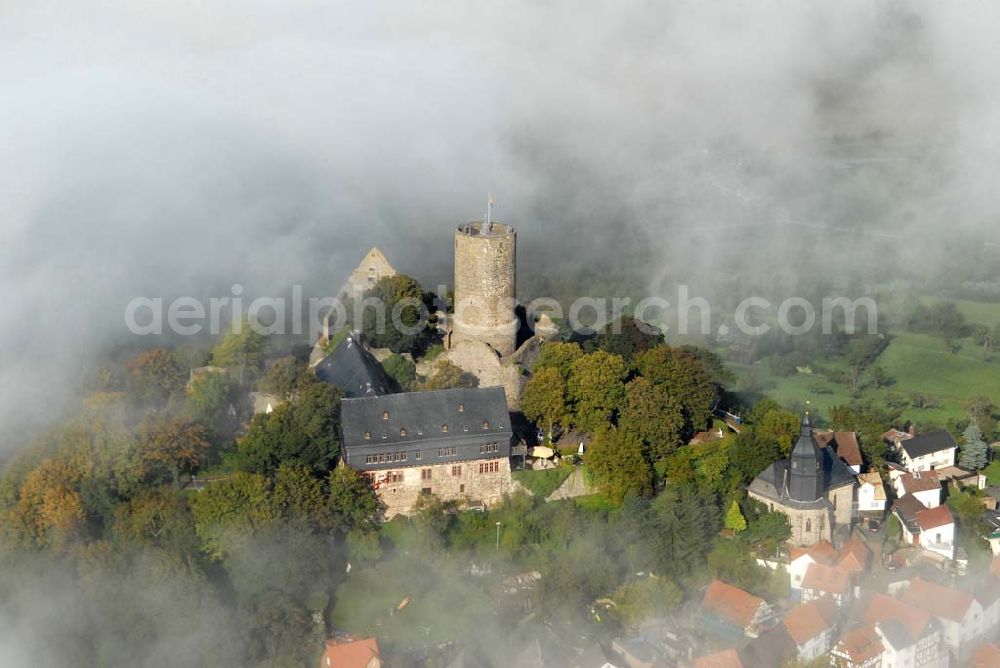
<point>907,507</point>
<point>435,415</point>
<point>772,482</point>
<point>925,444</point>
<point>771,648</point>
<point>355,370</point>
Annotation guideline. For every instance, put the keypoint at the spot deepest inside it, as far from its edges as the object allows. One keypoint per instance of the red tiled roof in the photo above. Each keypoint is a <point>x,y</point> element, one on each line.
<point>845,445</point>
<point>874,479</point>
<point>826,579</point>
<point>823,552</point>
<point>350,654</point>
<point>883,607</point>
<point>987,656</point>
<point>854,555</point>
<point>731,603</point>
<point>860,644</point>
<point>921,481</point>
<point>808,621</point>
<point>939,600</point>
<point>727,658</point>
<point>934,517</point>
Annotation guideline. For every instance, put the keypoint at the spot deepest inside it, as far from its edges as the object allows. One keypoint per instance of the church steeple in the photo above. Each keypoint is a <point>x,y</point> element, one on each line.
<point>805,474</point>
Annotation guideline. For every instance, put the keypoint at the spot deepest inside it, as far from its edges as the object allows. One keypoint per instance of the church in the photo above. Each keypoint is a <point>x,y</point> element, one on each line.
<point>813,488</point>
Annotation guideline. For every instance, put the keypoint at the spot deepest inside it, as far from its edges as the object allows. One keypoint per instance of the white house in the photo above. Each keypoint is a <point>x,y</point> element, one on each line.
<point>871,492</point>
<point>801,558</point>
<point>925,486</point>
<point>926,452</point>
<point>812,626</point>
<point>933,529</point>
<point>958,612</point>
<point>906,632</point>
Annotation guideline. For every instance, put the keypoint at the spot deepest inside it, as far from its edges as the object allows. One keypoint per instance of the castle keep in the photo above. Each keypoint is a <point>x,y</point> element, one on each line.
<point>485,258</point>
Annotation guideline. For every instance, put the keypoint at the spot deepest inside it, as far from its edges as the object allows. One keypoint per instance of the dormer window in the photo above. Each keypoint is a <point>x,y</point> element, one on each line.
<point>461,408</point>
<point>465,427</point>
<point>420,431</point>
<point>368,435</point>
<point>486,424</point>
<point>383,435</point>
<point>402,432</point>
<point>444,428</point>
<point>385,415</point>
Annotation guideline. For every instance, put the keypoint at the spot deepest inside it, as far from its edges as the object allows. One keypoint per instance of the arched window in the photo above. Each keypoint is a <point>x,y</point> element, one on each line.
<point>809,526</point>
<point>402,432</point>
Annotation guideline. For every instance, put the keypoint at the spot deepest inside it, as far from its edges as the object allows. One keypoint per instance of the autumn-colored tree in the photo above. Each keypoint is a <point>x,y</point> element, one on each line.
<point>639,600</point>
<point>654,416</point>
<point>615,461</point>
<point>154,375</point>
<point>544,400</point>
<point>176,444</point>
<point>596,387</point>
<point>158,517</point>
<point>49,509</point>
<point>241,350</point>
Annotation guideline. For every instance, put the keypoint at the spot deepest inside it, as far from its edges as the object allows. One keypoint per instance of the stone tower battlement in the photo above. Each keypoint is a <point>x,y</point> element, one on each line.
<point>485,281</point>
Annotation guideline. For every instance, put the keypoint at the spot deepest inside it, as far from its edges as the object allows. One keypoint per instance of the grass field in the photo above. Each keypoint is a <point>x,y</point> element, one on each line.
<point>917,363</point>
<point>544,482</point>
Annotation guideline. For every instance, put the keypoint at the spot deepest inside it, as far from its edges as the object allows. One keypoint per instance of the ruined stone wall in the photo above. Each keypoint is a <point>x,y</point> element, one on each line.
<point>453,481</point>
<point>485,280</point>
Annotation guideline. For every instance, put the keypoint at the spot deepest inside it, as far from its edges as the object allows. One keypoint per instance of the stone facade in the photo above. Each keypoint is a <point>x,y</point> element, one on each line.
<point>484,363</point>
<point>468,482</point>
<point>485,279</point>
<point>372,267</point>
<point>811,525</point>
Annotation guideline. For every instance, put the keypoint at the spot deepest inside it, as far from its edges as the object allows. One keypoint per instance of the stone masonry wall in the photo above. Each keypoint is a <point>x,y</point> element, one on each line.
<point>485,279</point>
<point>454,481</point>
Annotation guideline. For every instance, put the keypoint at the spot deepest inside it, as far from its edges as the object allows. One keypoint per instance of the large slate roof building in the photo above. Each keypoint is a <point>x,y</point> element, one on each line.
<point>355,370</point>
<point>452,443</point>
<point>813,487</point>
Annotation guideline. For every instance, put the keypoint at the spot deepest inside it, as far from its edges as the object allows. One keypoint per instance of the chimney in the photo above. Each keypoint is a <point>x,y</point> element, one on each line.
<point>912,431</point>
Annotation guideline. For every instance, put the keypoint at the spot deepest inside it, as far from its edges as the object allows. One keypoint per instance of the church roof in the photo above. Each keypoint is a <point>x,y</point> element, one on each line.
<point>355,370</point>
<point>775,481</point>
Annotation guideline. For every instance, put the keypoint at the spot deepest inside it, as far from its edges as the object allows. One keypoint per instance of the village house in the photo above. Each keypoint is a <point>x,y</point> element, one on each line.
<point>910,636</point>
<point>959,613</point>
<point>933,529</point>
<point>844,444</point>
<point>453,443</point>
<point>861,647</point>
<point>923,452</point>
<point>813,488</point>
<point>812,626</point>
<point>823,581</point>
<point>871,494</point>
<point>727,658</point>
<point>801,558</point>
<point>734,613</point>
<point>925,486</point>
<point>351,654</point>
<point>986,656</point>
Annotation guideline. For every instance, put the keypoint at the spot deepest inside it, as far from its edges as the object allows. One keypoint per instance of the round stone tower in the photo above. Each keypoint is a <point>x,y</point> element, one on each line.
<point>485,258</point>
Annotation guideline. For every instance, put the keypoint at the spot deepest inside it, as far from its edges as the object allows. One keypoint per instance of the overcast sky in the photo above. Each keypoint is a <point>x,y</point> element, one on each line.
<point>174,148</point>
